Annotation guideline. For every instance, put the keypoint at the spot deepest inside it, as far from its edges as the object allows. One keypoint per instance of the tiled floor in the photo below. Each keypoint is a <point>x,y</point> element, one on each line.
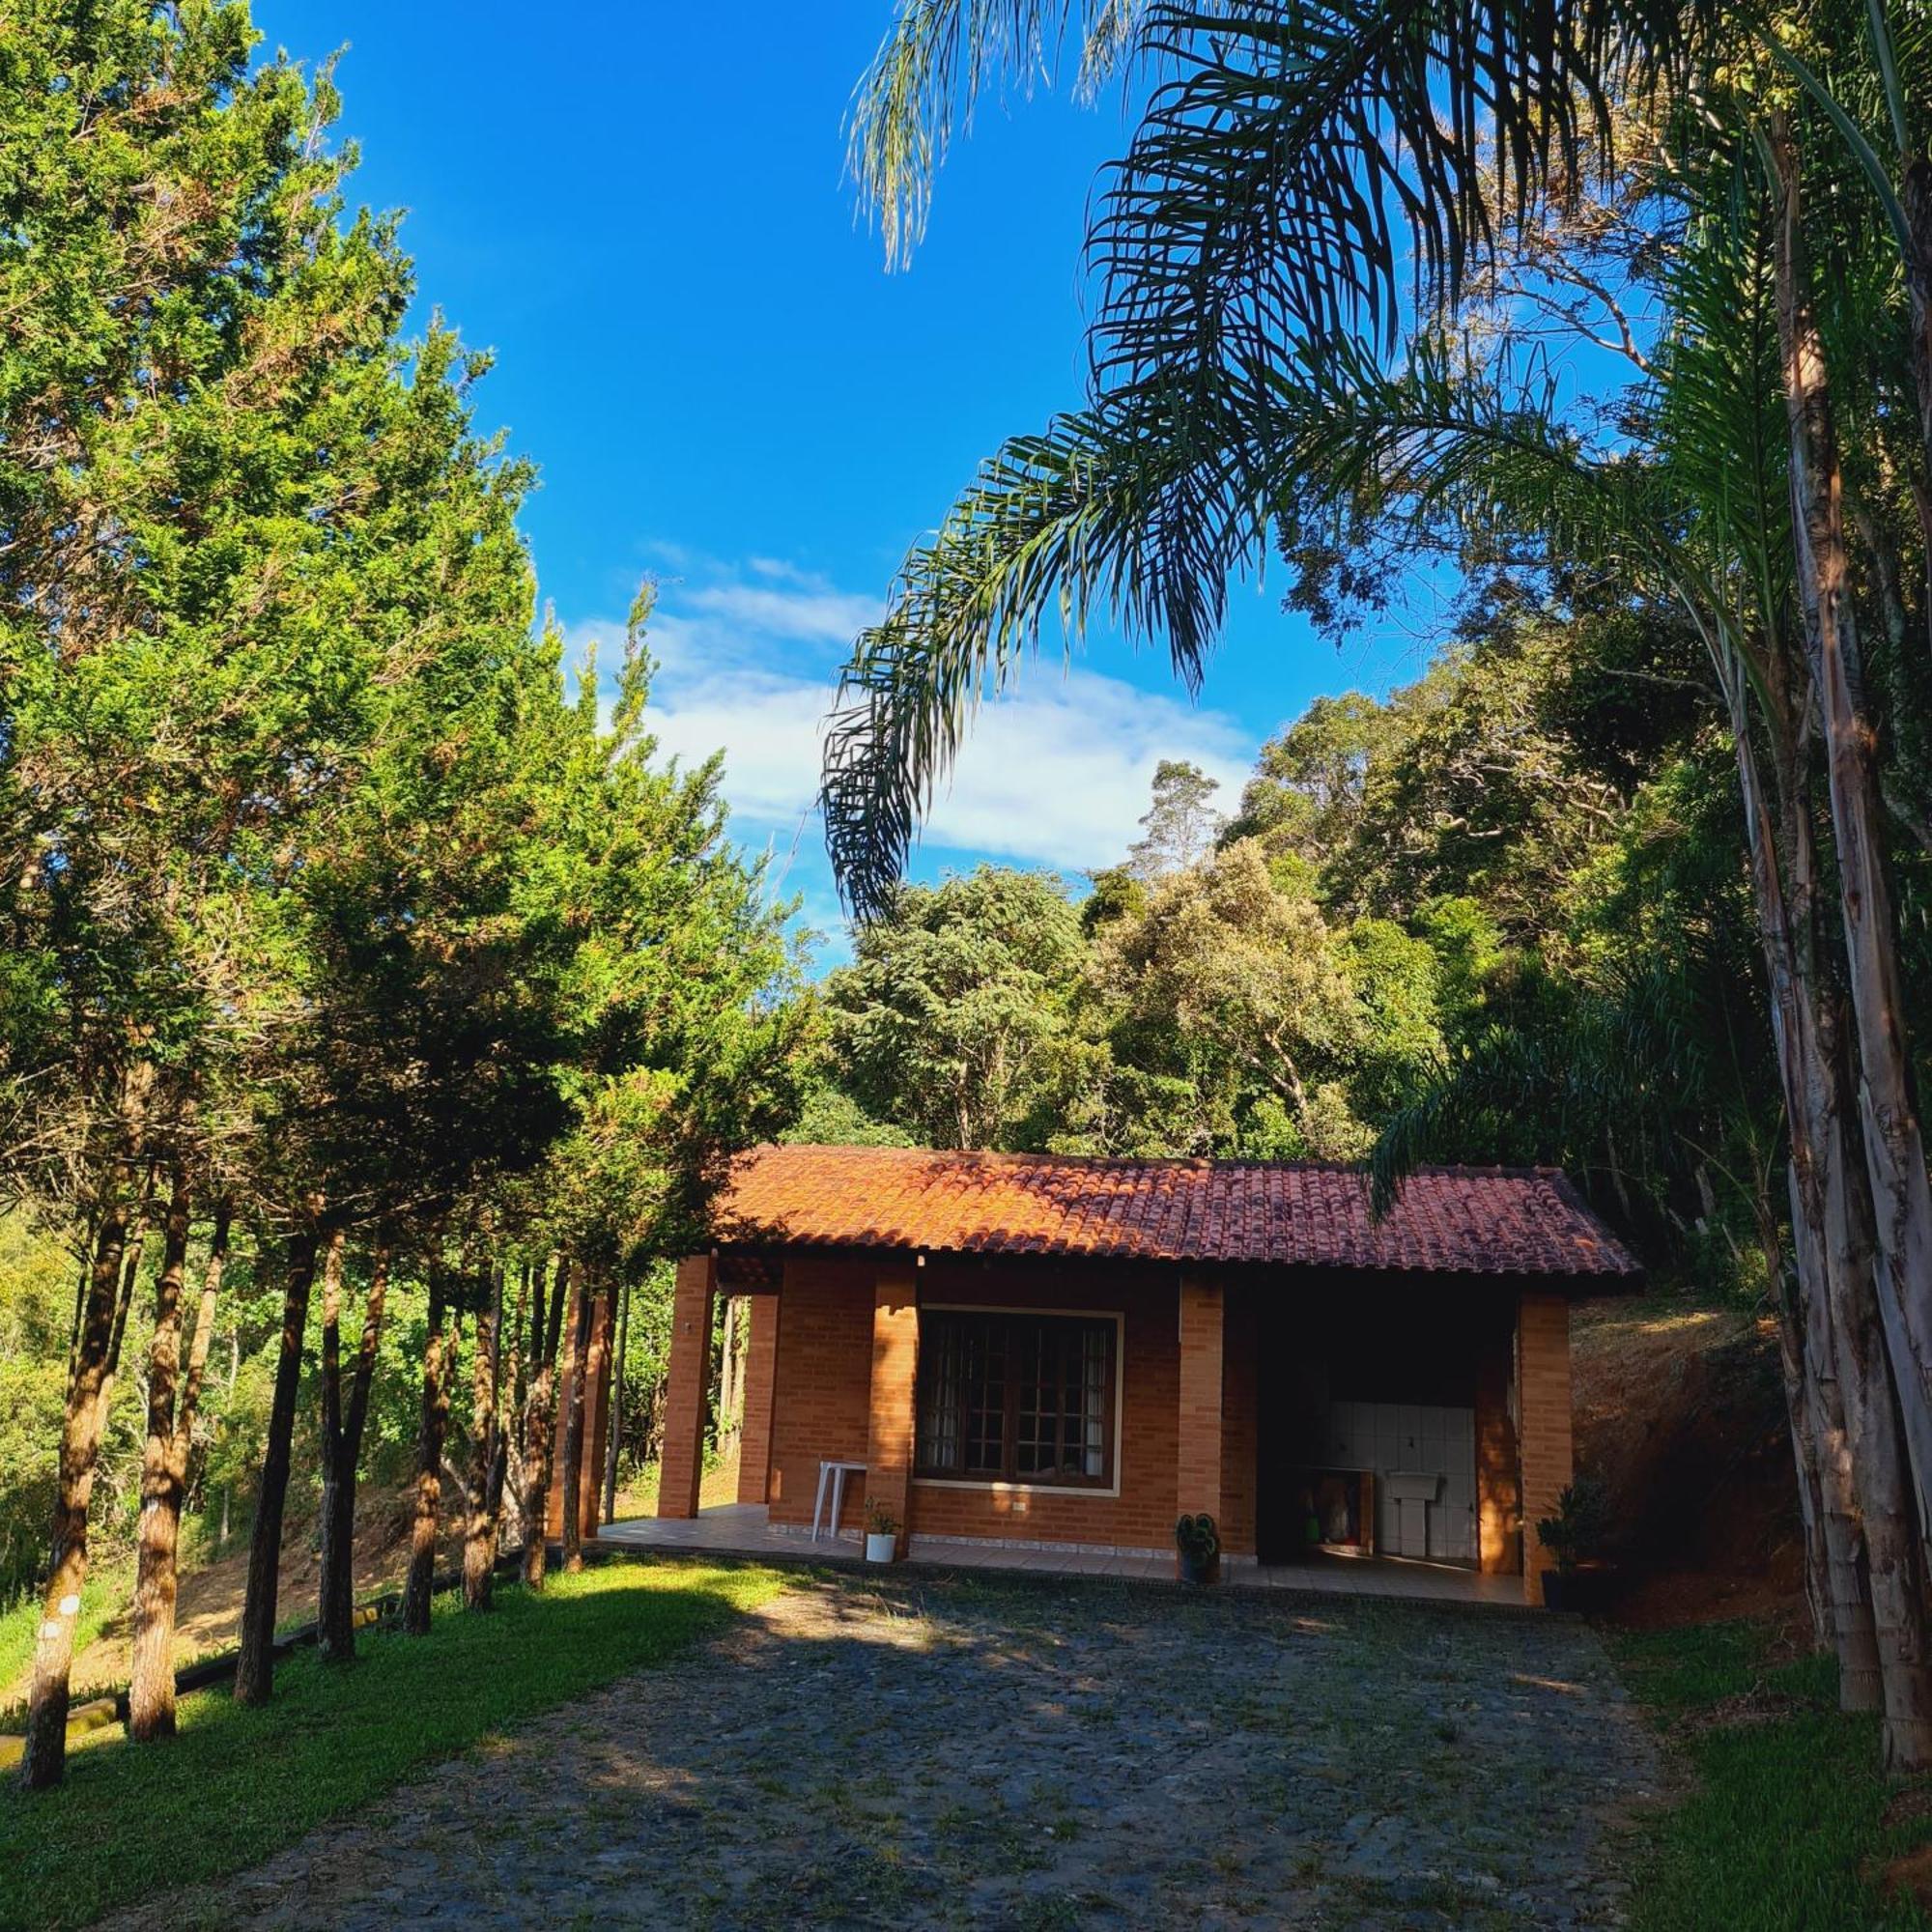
<point>742,1529</point>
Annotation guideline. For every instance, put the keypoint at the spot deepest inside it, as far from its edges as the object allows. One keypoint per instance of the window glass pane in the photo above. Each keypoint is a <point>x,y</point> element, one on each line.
<point>1015,1396</point>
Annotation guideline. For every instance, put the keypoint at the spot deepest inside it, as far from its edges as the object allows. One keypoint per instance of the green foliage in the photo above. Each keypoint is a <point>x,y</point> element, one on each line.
<point>1179,826</point>
<point>37,1288</point>
<point>954,1017</point>
<point>323,893</point>
<point>1575,1532</point>
<point>245,1783</point>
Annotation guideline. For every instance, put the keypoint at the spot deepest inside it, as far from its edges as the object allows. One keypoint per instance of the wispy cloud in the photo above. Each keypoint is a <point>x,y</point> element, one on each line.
<point>1056,774</point>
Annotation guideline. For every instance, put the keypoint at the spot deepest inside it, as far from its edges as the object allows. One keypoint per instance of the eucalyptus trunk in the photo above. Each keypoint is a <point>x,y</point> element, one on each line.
<point>255,1662</point>
<point>150,1687</point>
<point>44,1758</point>
<point>438,1362</point>
<point>1894,1151</point>
<point>1778,842</point>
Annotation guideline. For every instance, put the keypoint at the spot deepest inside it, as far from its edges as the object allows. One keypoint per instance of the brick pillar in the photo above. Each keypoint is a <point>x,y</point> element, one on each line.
<point>1199,1460</point>
<point>685,1386</point>
<point>1498,1499</point>
<point>754,1439</point>
<point>1542,1401</point>
<point>888,1428</point>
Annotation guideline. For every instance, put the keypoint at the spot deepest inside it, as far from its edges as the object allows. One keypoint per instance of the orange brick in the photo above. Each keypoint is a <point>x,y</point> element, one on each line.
<point>685,1388</point>
<point>1542,1384</point>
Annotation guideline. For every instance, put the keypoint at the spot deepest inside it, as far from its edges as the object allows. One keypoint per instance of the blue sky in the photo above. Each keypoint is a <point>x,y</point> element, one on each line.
<point>640,209</point>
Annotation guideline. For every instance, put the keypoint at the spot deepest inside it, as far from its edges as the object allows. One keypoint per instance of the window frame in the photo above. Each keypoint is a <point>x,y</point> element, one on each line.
<point>1108,1484</point>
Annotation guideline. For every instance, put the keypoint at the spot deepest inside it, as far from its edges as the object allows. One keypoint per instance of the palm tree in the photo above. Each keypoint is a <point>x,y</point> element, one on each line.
<point>1282,254</point>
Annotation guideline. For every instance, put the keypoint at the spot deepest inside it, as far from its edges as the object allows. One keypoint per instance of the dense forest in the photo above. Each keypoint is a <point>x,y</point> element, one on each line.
<point>1498,915</point>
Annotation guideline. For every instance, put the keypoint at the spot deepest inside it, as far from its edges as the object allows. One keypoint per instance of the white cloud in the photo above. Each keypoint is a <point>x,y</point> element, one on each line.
<point>1057,773</point>
<point>806,611</point>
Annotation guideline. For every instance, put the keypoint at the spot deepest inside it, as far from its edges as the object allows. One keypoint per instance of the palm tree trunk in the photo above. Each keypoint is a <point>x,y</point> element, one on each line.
<point>438,1361</point>
<point>1894,1149</point>
<point>151,1689</point>
<point>44,1759</point>
<point>255,1662</point>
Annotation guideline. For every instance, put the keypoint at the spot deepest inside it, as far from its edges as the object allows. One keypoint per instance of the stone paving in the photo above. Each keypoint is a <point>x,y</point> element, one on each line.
<point>988,1753</point>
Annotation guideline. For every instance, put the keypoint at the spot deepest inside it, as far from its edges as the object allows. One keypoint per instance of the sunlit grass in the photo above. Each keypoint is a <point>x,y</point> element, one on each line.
<point>1785,1825</point>
<point>238,1784</point>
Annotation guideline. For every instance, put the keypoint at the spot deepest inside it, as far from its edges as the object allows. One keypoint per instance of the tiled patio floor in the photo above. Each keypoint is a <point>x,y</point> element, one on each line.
<point>742,1529</point>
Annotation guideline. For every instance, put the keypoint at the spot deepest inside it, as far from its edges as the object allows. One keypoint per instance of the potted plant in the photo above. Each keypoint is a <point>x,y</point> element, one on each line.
<point>1575,1536</point>
<point>1198,1543</point>
<point>882,1532</point>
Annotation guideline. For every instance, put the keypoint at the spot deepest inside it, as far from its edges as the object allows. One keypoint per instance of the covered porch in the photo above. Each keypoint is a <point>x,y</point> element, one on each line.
<point>746,1529</point>
<point>1039,1363</point>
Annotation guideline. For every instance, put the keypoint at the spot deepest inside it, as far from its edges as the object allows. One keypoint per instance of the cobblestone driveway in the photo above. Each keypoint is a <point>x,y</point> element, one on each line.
<point>1015,1755</point>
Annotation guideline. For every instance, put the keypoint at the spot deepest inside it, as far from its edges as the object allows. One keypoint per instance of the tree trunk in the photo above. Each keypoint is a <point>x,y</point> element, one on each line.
<point>130,1274</point>
<point>1788,1292</point>
<point>727,1371</point>
<point>255,1664</point>
<point>1894,1149</point>
<point>438,1355</point>
<point>44,1759</point>
<point>572,1527</point>
<point>1780,848</point>
<point>539,1420</point>
<point>150,1687</point>
<point>616,1428</point>
<point>340,1448</point>
<point>480,1541</point>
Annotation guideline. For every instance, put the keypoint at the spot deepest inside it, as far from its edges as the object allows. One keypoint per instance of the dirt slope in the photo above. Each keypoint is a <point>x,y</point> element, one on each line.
<point>1681,1412</point>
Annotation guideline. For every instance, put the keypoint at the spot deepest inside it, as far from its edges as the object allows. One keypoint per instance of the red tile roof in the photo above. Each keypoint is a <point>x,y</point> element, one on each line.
<point>1518,1221</point>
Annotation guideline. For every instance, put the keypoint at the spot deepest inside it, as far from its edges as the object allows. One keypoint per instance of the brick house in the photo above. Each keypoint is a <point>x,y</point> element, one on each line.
<point>1070,1353</point>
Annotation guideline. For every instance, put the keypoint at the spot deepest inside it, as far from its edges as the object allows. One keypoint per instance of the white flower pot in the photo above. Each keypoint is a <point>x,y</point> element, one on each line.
<point>881,1548</point>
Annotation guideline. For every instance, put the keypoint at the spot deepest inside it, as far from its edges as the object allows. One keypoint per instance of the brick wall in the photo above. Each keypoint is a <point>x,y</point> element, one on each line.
<point>1200,1453</point>
<point>685,1380</point>
<point>821,1396</point>
<point>1499,1493</point>
<point>889,1413</point>
<point>1543,1383</point>
<point>1239,1446</point>
<point>755,1438</point>
<point>1142,1516</point>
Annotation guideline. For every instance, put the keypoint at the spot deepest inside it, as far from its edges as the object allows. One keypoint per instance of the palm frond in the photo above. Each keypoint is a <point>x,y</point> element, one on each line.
<point>928,73</point>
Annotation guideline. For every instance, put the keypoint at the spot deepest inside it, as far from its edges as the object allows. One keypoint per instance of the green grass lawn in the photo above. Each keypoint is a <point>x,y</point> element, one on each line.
<point>1784,1826</point>
<point>238,1784</point>
<point>102,1594</point>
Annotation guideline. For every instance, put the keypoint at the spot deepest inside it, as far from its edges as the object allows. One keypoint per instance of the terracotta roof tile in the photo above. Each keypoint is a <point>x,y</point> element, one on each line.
<point>1447,1219</point>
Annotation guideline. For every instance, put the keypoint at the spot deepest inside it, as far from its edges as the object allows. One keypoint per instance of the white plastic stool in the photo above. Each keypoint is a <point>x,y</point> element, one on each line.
<point>835,1473</point>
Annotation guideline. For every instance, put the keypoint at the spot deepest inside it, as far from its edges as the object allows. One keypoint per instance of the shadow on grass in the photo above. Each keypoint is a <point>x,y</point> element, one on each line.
<point>1790,1818</point>
<point>237,1784</point>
